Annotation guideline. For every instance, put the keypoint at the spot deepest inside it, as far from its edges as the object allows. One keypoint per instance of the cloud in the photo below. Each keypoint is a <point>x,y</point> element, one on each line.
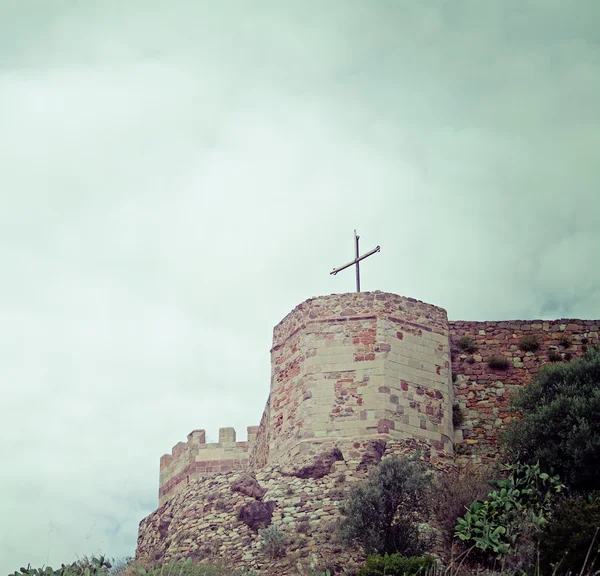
<point>176,178</point>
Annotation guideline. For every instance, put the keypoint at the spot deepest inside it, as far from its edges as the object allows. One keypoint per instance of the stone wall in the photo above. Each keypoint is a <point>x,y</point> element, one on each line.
<point>346,367</point>
<point>192,459</point>
<point>208,520</point>
<point>352,375</point>
<point>483,393</point>
<point>259,454</point>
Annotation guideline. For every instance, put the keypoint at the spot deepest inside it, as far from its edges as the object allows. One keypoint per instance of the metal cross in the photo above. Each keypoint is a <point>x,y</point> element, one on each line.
<point>356,261</point>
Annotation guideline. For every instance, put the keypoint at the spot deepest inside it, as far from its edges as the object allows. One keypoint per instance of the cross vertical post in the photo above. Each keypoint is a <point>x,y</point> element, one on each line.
<point>356,260</point>
<point>356,238</point>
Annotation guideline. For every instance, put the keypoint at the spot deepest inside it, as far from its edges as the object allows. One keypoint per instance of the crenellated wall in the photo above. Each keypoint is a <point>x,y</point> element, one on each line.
<point>202,520</point>
<point>193,459</point>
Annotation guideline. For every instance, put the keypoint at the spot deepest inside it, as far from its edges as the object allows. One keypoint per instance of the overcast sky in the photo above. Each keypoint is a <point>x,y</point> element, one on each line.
<point>176,176</point>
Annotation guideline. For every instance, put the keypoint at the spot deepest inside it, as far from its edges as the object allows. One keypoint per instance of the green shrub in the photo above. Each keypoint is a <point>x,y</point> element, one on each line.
<point>457,415</point>
<point>303,526</point>
<point>382,512</point>
<point>187,568</point>
<point>521,501</point>
<point>467,344</point>
<point>397,565</point>
<point>529,343</point>
<point>566,540</point>
<point>554,356</point>
<point>564,341</point>
<point>119,565</point>
<point>498,361</point>
<point>272,541</point>
<point>559,423</point>
<point>454,492</point>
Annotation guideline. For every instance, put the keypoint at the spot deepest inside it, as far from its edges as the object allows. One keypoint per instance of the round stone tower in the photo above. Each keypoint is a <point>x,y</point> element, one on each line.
<point>351,367</point>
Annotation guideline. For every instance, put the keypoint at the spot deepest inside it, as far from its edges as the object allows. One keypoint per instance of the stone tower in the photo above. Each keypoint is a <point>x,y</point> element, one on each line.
<point>350,367</point>
<point>345,369</point>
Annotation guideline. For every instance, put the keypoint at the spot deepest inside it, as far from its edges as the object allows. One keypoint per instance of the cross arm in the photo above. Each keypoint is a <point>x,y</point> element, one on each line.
<point>336,270</point>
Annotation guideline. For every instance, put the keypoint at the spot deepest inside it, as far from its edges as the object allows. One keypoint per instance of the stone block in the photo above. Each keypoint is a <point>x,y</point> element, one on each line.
<point>226,435</point>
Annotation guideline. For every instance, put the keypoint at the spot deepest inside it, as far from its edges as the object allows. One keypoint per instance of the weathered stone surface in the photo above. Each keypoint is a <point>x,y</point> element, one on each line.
<point>372,454</point>
<point>248,486</point>
<point>256,515</point>
<point>321,466</point>
<point>483,393</point>
<point>203,518</point>
<point>163,527</point>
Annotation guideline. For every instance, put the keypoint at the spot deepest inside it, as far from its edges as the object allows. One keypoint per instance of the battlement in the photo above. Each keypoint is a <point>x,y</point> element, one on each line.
<point>195,458</point>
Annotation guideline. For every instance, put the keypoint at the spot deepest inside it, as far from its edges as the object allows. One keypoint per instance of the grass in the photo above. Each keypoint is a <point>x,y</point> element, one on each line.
<point>529,343</point>
<point>498,361</point>
<point>467,344</point>
<point>554,356</point>
<point>565,341</point>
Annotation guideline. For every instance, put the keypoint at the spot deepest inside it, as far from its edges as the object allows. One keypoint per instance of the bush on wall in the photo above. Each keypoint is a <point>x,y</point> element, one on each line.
<point>457,415</point>
<point>382,512</point>
<point>554,356</point>
<point>559,423</point>
<point>454,493</point>
<point>467,344</point>
<point>498,361</point>
<point>529,343</point>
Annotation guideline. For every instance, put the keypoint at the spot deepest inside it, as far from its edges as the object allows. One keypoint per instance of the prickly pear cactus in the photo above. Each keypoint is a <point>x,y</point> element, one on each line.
<point>85,567</point>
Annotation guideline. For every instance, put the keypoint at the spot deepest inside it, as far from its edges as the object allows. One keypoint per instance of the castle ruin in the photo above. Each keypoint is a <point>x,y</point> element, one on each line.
<point>354,377</point>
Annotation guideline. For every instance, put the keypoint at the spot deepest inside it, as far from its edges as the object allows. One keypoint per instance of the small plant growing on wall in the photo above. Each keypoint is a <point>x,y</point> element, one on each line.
<point>457,416</point>
<point>564,341</point>
<point>272,541</point>
<point>529,343</point>
<point>340,479</point>
<point>498,362</point>
<point>471,360</point>
<point>467,344</point>
<point>554,356</point>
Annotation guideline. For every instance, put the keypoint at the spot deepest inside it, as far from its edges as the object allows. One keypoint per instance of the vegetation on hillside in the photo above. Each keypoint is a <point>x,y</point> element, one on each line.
<point>383,513</point>
<point>559,423</point>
